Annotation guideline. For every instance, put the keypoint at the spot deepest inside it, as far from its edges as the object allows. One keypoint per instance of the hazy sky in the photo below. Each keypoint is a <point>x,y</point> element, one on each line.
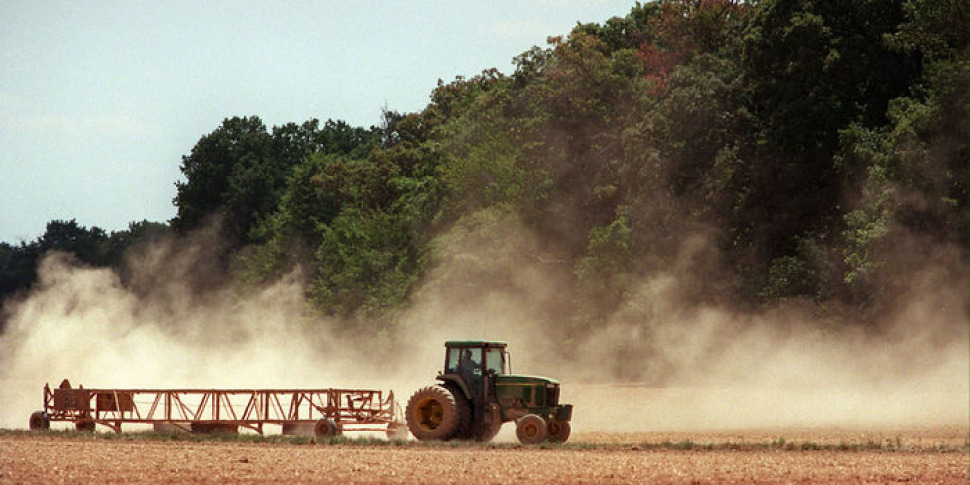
<point>99,100</point>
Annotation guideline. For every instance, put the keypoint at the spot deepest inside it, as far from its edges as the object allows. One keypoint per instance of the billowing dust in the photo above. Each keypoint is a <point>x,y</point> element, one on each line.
<point>701,368</point>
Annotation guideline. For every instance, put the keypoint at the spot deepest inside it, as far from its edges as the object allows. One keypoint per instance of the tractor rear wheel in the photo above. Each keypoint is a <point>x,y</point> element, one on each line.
<point>466,431</point>
<point>558,431</point>
<point>39,420</point>
<point>432,414</point>
<point>531,429</point>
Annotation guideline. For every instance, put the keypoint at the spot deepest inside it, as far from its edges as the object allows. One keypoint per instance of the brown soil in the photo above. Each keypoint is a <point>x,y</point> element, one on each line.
<point>52,458</point>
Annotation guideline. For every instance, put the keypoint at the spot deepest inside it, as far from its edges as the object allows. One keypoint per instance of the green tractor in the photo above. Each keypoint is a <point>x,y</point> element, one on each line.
<point>478,392</point>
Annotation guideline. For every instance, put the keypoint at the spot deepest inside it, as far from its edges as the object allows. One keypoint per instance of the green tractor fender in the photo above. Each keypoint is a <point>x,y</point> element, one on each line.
<point>458,382</point>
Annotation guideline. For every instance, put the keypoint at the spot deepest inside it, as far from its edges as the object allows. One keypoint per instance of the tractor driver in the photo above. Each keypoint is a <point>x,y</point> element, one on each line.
<point>470,369</point>
<point>467,363</point>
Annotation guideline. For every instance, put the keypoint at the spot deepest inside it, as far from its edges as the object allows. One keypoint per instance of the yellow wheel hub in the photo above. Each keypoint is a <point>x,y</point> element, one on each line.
<point>429,413</point>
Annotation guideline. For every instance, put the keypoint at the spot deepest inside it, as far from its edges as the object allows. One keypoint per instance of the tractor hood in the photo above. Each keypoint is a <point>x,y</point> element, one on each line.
<point>523,379</point>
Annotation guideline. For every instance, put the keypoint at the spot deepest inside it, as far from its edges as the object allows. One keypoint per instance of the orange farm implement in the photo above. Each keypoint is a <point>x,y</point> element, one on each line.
<point>322,412</point>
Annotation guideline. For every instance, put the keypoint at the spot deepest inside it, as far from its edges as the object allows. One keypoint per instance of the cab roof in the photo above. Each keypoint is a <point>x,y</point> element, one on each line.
<point>475,343</point>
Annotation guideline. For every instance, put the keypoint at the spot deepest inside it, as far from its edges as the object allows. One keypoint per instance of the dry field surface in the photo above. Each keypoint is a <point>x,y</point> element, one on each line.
<point>925,456</point>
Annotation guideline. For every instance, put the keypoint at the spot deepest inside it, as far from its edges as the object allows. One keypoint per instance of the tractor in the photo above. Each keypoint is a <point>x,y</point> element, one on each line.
<point>477,393</point>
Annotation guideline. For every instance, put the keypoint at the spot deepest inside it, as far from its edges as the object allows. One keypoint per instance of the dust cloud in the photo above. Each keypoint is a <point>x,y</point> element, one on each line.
<point>699,367</point>
<point>707,366</point>
<point>156,331</point>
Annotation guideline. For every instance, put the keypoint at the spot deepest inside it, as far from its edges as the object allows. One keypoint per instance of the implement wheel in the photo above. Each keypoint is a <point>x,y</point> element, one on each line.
<point>39,421</point>
<point>432,414</point>
<point>558,431</point>
<point>325,428</point>
<point>84,425</point>
<point>531,429</point>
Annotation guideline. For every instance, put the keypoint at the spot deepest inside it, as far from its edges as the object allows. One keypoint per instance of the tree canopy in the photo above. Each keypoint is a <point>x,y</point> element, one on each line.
<point>809,146</point>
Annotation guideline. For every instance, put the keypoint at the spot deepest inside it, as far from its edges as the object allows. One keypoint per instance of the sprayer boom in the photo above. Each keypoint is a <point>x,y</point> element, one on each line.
<point>322,412</point>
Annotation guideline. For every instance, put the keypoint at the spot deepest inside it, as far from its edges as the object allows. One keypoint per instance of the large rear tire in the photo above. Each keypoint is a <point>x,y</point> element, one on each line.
<point>39,421</point>
<point>432,414</point>
<point>558,431</point>
<point>466,431</point>
<point>531,429</point>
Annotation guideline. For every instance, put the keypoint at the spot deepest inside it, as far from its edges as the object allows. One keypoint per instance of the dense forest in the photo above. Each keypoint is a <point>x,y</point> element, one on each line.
<point>763,153</point>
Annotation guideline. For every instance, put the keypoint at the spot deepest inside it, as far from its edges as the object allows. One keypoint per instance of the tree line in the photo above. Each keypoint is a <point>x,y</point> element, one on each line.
<point>812,146</point>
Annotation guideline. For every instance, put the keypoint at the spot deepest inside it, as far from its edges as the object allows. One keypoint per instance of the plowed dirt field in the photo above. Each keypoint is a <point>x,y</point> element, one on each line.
<point>925,456</point>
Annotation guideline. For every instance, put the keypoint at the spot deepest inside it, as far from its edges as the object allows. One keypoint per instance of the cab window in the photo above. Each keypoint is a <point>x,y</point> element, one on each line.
<point>495,361</point>
<point>470,360</point>
<point>452,364</point>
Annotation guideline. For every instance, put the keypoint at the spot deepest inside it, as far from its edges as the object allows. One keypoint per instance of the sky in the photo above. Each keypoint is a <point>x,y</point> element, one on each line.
<point>99,100</point>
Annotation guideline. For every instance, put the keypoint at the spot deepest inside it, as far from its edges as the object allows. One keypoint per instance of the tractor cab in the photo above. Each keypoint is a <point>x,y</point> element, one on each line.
<point>470,360</point>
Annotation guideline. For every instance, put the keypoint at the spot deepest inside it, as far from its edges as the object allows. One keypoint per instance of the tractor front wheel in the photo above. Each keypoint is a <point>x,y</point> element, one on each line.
<point>432,414</point>
<point>558,431</point>
<point>531,429</point>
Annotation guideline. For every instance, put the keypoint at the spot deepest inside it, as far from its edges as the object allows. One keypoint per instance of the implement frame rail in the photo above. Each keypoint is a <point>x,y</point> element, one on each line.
<point>349,409</point>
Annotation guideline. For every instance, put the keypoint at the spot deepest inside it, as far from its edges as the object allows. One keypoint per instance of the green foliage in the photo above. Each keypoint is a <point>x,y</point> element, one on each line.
<point>814,68</point>
<point>487,245</point>
<point>937,29</point>
<point>68,236</point>
<point>700,118</point>
<point>607,258</point>
<point>807,273</point>
<point>236,150</point>
<point>307,206</point>
<point>819,66</point>
<point>351,215</point>
<point>481,156</point>
<point>799,148</point>
<point>366,264</point>
<point>18,269</point>
<point>913,177</point>
<point>239,172</point>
